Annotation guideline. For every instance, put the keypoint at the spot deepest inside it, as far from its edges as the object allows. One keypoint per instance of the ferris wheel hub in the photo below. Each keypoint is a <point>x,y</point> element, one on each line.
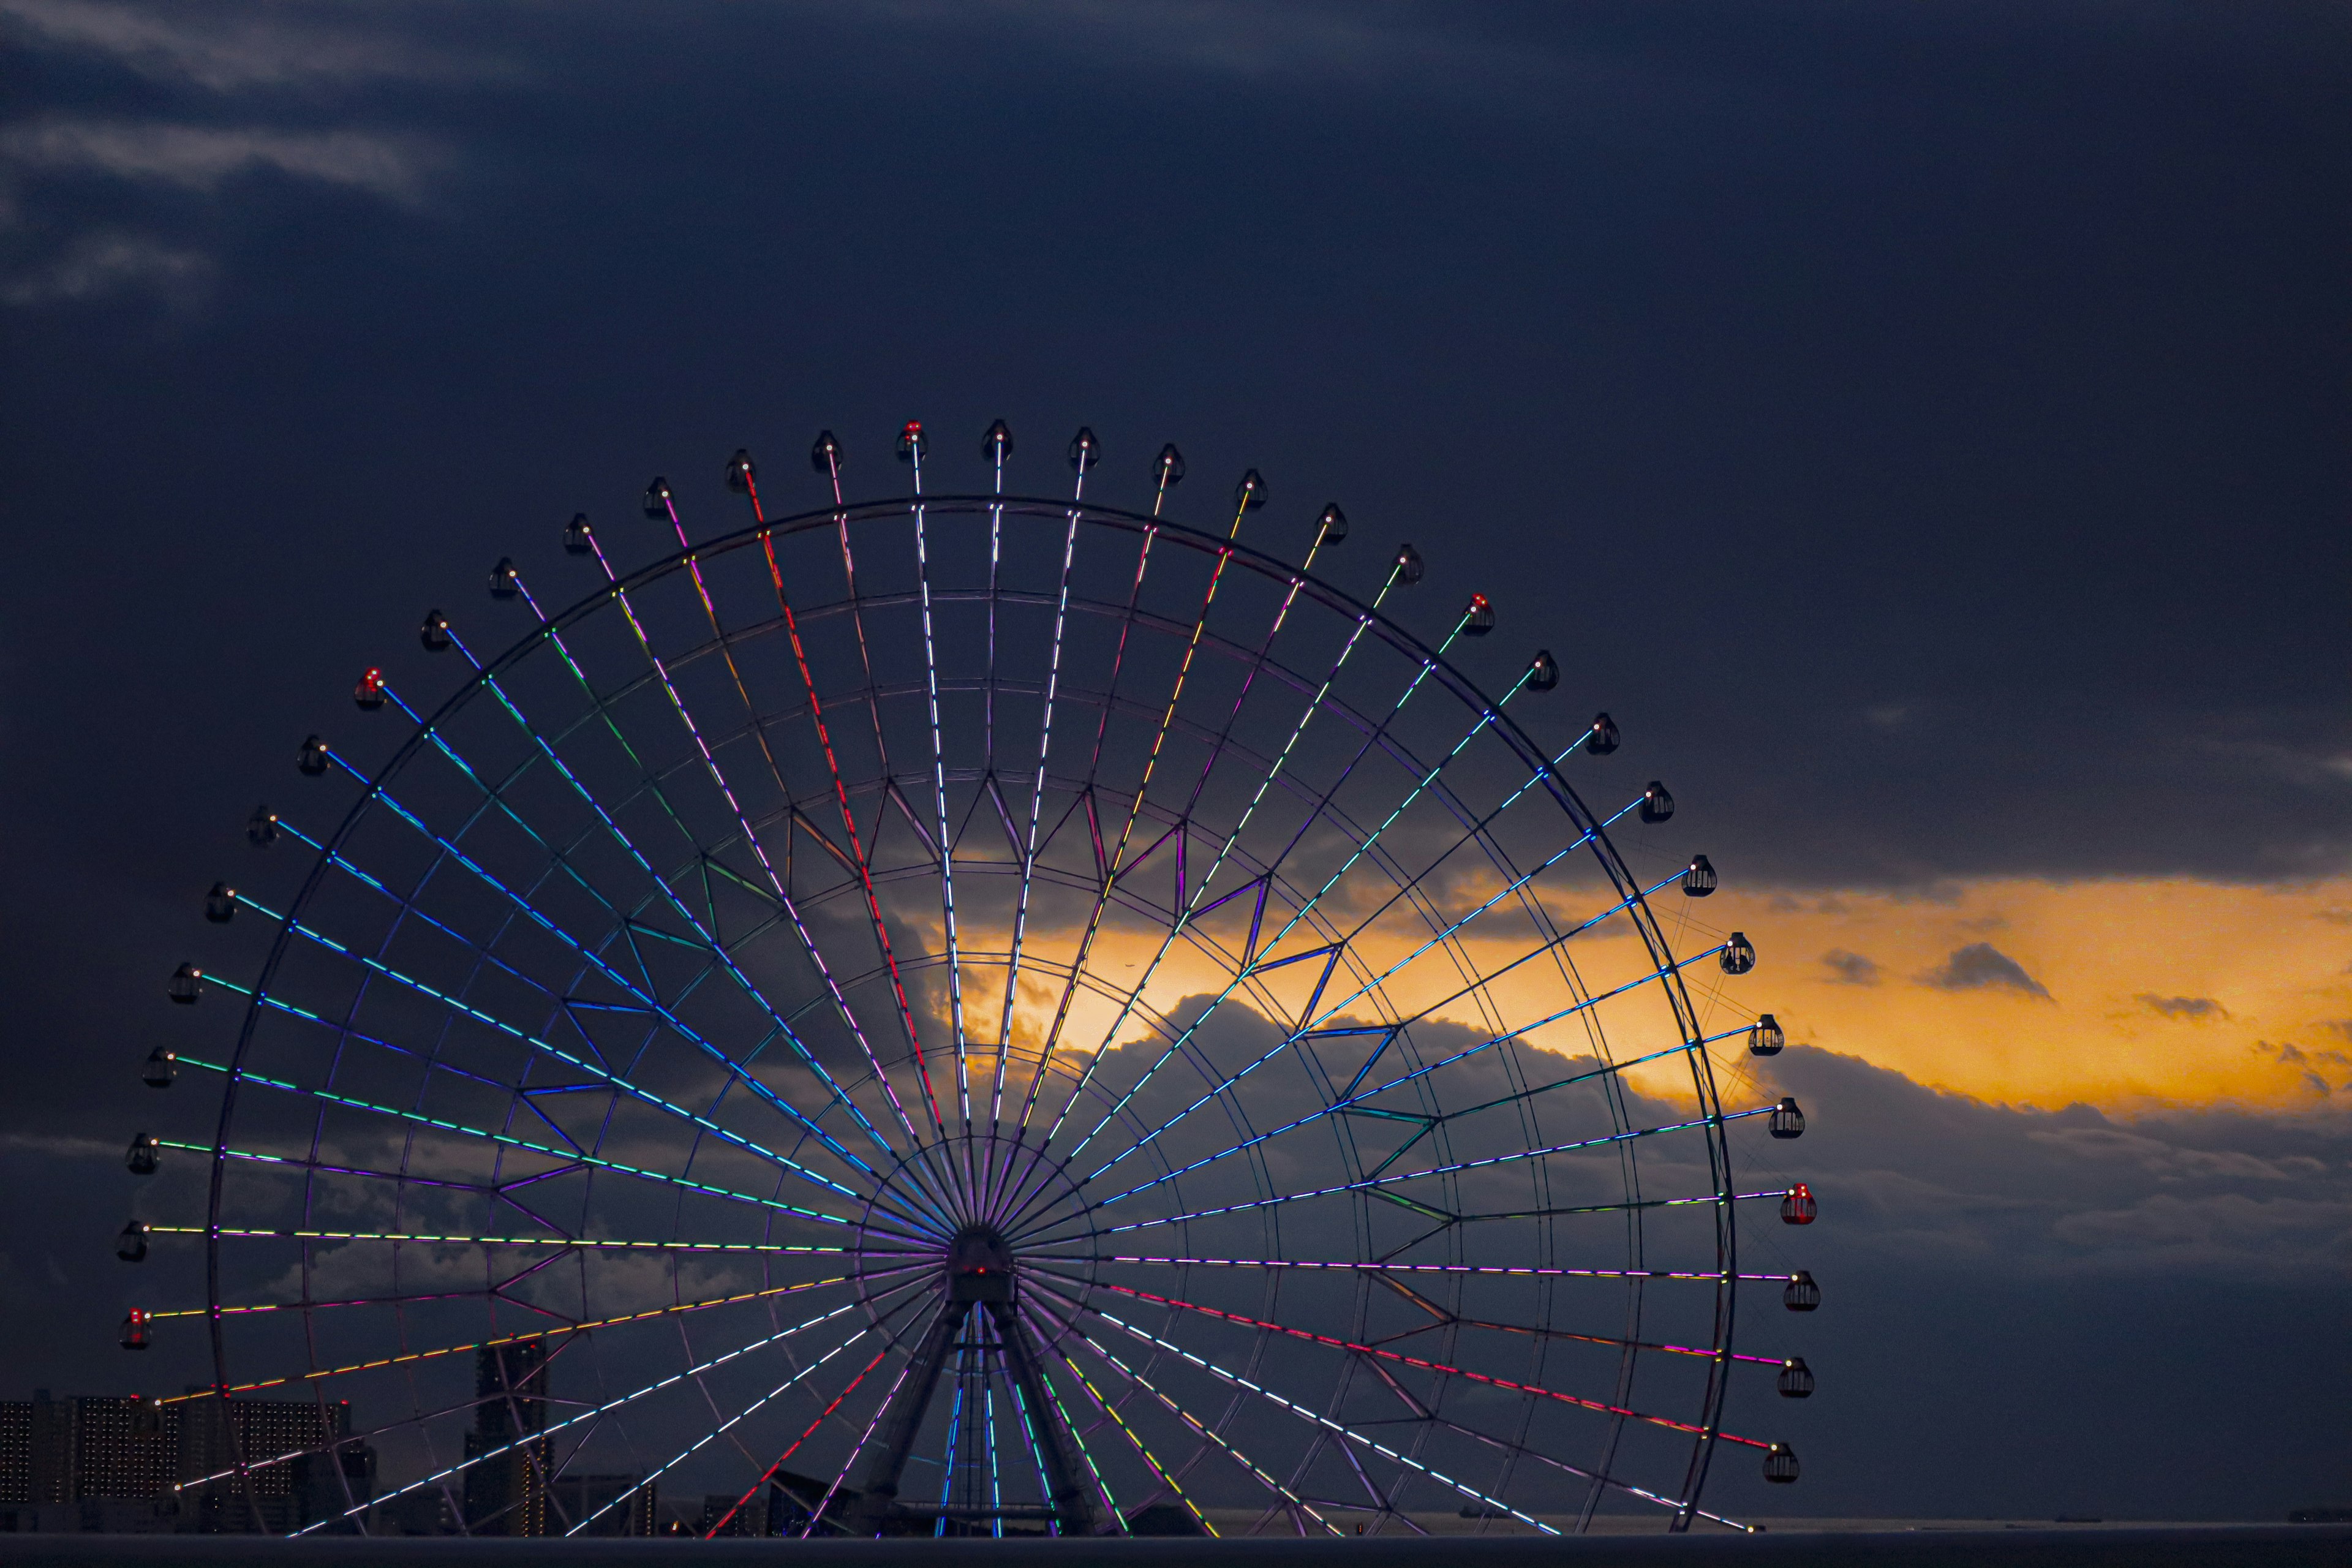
<point>980,1266</point>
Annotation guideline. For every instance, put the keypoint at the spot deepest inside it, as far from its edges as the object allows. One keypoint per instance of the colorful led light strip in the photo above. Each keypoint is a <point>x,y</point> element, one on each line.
<point>653,785</point>
<point>593,1413</point>
<point>570,1156</point>
<point>435,1355</point>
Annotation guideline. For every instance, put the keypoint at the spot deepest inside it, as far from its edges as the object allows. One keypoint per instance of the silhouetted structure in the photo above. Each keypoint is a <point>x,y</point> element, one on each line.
<point>127,1463</point>
<point>508,1462</point>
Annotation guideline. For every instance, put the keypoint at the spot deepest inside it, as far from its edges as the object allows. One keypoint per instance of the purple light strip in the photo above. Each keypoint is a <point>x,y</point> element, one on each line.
<point>850,1464</point>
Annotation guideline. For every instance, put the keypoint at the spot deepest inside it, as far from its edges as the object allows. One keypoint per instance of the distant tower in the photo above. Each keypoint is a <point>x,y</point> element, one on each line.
<point>506,1494</point>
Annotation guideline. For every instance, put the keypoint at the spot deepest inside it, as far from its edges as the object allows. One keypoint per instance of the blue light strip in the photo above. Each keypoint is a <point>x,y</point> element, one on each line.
<point>808,942</point>
<point>724,958</point>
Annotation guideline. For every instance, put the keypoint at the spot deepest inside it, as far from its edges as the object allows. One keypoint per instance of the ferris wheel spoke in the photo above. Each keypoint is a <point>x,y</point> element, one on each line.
<point>1081,454</point>
<point>1079,1440</point>
<point>1118,858</point>
<point>1527,1451</point>
<point>313,1163</point>
<point>1167,1480</point>
<point>1029,853</point>
<point>1085,791</point>
<point>1353,1096</point>
<point>1376,1182</point>
<point>748,1411</point>
<point>939,791</point>
<point>1199,1427</point>
<point>758,732</point>
<point>593,1413</point>
<point>1708,1277</point>
<point>1251,963</point>
<point>539,1336</point>
<point>1381,1353</point>
<point>313,1305</point>
<point>873,691</point>
<point>1445,1218</point>
<point>563,1243</point>
<point>1199,890</point>
<point>578,1063</point>
<point>605,969</point>
<point>751,840</point>
<point>1319,1420</point>
<point>508,1140</point>
<point>718,950</point>
<point>816,1516</point>
<point>1510,889</point>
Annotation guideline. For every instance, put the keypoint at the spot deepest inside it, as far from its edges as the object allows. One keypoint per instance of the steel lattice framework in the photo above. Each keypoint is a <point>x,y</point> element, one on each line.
<point>979,1012</point>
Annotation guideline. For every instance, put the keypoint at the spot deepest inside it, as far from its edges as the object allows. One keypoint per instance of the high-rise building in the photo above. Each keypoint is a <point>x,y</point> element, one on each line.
<point>506,1484</point>
<point>37,1449</point>
<point>111,1463</point>
<point>124,1447</point>
<point>15,1451</point>
<point>273,1499</point>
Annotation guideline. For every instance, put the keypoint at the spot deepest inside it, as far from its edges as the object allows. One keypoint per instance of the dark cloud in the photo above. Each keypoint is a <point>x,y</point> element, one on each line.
<point>2310,1062</point>
<point>1850,968</point>
<point>1893,419</point>
<point>2073,1190</point>
<point>1980,966</point>
<point>2195,1008</point>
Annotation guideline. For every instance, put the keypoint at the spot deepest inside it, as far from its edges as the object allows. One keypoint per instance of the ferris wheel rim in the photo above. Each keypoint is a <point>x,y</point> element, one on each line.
<point>1388,629</point>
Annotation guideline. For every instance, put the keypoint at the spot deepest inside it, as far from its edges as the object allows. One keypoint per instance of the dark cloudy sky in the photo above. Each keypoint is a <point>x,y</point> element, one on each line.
<point>1923,425</point>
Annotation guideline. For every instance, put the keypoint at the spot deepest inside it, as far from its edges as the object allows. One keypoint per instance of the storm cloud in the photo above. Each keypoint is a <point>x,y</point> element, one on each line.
<point>1896,418</point>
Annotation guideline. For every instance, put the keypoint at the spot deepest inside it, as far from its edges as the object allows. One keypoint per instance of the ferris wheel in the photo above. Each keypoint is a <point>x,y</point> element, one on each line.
<point>973,1012</point>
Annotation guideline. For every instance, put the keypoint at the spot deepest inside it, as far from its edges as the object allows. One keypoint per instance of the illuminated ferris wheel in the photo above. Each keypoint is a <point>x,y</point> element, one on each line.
<point>974,1012</point>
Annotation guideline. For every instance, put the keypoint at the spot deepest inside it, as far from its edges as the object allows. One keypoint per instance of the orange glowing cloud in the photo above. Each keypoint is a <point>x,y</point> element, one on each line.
<point>2123,993</point>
